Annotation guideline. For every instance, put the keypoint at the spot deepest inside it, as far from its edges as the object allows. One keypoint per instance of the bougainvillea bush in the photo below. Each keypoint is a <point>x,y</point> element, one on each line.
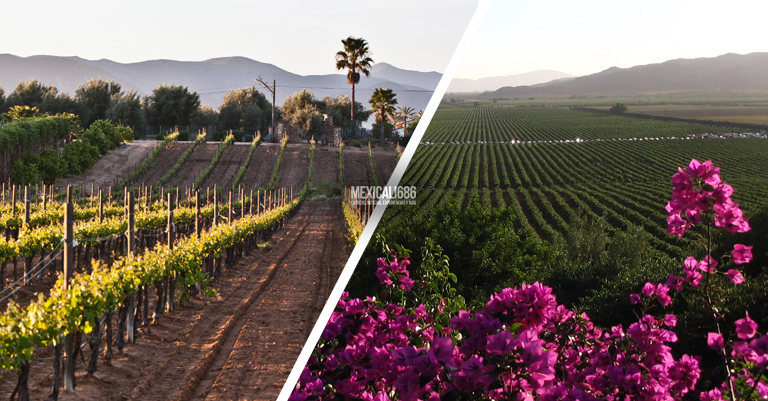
<point>523,345</point>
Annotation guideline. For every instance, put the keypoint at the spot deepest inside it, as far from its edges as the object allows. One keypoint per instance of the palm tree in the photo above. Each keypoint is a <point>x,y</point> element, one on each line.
<point>383,102</point>
<point>406,114</point>
<point>355,59</point>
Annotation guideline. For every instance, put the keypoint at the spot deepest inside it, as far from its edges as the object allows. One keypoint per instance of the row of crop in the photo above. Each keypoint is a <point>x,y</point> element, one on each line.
<point>153,158</point>
<point>372,166</point>
<point>227,141</point>
<point>244,167</point>
<point>550,124</point>
<point>275,177</point>
<point>341,164</point>
<point>182,159</point>
<point>90,296</point>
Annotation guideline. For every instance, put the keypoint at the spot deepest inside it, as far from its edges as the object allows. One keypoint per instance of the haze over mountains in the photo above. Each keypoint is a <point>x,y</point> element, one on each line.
<point>729,72</point>
<point>211,79</point>
<point>493,83</point>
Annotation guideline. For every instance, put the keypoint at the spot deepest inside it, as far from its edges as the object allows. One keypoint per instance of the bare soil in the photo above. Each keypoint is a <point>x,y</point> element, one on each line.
<point>112,167</point>
<point>242,344</point>
<point>294,167</point>
<point>357,170</point>
<point>262,164</point>
<point>326,166</point>
<point>385,165</point>
<point>194,166</point>
<point>226,169</point>
<point>166,160</point>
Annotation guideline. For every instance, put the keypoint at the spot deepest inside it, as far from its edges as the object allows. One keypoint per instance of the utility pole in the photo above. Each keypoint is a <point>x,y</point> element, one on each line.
<point>272,90</point>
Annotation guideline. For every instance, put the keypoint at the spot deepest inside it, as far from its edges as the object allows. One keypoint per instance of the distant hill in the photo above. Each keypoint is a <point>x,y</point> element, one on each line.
<point>729,72</point>
<point>460,85</point>
<point>212,78</point>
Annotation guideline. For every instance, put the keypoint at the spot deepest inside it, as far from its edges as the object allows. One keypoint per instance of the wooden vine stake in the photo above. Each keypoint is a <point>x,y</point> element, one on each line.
<point>69,258</point>
<point>171,232</point>
<point>131,298</point>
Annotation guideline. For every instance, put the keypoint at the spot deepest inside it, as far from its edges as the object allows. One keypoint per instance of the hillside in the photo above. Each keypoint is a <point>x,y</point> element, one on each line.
<point>212,78</point>
<point>729,72</point>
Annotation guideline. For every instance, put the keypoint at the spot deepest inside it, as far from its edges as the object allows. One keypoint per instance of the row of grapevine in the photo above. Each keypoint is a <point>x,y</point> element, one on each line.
<point>550,181</point>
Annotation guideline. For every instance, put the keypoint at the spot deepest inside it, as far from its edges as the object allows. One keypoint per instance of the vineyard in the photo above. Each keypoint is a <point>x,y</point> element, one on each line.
<point>554,164</point>
<point>261,241</point>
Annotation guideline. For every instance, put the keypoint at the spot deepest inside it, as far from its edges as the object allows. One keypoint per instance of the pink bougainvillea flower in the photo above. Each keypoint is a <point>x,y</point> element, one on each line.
<point>741,254</point>
<point>735,276</point>
<point>648,289</point>
<point>634,298</point>
<point>746,328</point>
<point>707,265</point>
<point>715,341</point>
<point>676,225</point>
<point>670,320</point>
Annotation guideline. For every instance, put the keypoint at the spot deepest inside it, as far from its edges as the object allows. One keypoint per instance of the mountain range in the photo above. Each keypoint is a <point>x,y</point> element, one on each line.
<point>461,85</point>
<point>728,72</point>
<point>212,78</point>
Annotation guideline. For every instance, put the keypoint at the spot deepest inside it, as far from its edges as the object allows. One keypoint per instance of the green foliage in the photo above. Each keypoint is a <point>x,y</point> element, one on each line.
<point>126,109</point>
<point>91,295</point>
<point>618,108</point>
<point>245,109</point>
<point>80,155</point>
<point>31,93</point>
<point>95,97</point>
<point>181,160</point>
<point>383,103</point>
<point>338,108</point>
<point>30,132</point>
<point>205,117</point>
<point>172,105</point>
<point>2,101</point>
<point>274,180</point>
<point>241,173</point>
<point>302,112</point>
<point>105,136</point>
<point>227,141</point>
<point>486,252</point>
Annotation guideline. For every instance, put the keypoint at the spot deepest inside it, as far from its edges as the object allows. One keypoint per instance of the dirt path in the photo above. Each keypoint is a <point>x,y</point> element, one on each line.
<point>262,164</point>
<point>226,169</point>
<point>240,346</point>
<point>326,167</point>
<point>194,166</point>
<point>113,166</point>
<point>294,167</point>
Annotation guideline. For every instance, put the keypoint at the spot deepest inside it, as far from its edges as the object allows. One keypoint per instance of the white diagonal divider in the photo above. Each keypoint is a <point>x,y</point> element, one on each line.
<point>394,180</point>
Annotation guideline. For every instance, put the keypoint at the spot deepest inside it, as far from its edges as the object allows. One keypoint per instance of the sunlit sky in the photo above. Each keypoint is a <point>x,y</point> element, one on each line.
<point>588,36</point>
<point>301,36</point>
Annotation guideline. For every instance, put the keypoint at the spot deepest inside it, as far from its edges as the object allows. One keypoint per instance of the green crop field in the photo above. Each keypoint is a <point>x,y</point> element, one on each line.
<point>552,164</point>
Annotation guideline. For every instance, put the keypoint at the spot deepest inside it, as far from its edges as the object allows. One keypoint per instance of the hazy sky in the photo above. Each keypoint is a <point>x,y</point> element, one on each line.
<point>300,36</point>
<point>588,36</point>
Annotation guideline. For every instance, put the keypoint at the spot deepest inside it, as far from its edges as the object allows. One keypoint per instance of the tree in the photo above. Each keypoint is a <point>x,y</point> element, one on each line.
<point>126,109</point>
<point>618,108</point>
<point>2,101</point>
<point>355,58</point>
<point>405,114</point>
<point>383,103</point>
<point>205,117</point>
<point>171,105</point>
<point>302,112</point>
<point>95,97</point>
<point>338,107</point>
<point>245,109</point>
<point>29,93</point>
